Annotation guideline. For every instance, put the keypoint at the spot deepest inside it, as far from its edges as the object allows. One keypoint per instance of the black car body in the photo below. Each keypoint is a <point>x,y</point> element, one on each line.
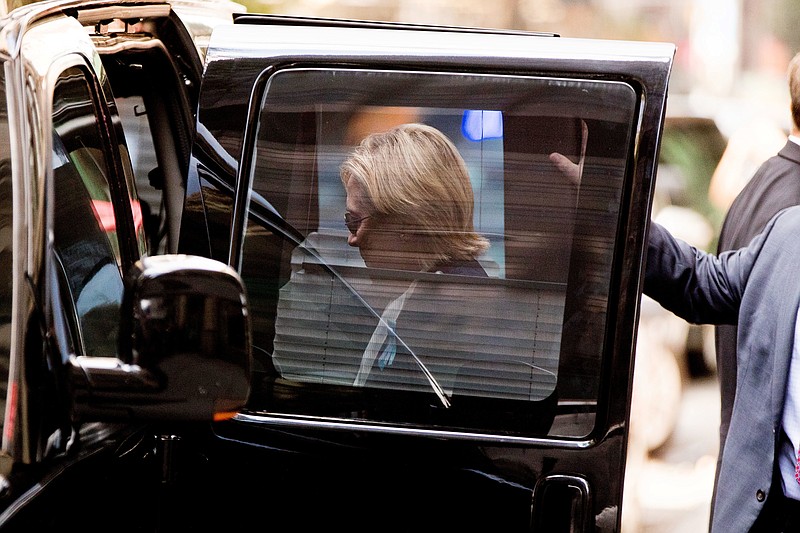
<point>514,416</point>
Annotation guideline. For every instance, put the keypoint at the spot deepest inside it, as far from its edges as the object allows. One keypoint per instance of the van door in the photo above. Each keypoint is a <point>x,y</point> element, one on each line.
<point>504,402</point>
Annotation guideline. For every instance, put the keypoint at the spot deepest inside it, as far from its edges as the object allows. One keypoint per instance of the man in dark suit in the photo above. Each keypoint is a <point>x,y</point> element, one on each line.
<point>774,186</point>
<point>758,289</point>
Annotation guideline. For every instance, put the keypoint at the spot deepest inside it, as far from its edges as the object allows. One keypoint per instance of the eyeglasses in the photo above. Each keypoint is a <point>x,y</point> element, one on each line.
<point>353,223</point>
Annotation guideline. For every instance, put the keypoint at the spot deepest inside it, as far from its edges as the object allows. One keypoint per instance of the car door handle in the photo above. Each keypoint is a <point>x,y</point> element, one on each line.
<point>561,504</point>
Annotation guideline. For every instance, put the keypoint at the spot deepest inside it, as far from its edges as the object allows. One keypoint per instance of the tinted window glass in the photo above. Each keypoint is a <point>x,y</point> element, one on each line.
<point>140,210</point>
<point>513,339</point>
<point>85,225</point>
<point>148,183</point>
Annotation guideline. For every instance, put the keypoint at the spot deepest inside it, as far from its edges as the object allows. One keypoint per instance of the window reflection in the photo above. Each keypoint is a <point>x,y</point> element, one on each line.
<point>85,225</point>
<point>523,341</point>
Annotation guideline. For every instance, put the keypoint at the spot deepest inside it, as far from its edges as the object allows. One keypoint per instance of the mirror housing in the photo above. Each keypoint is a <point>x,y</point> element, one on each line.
<point>184,350</point>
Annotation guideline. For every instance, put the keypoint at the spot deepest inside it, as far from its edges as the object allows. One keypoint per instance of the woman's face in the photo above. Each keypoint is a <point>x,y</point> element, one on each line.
<point>380,241</point>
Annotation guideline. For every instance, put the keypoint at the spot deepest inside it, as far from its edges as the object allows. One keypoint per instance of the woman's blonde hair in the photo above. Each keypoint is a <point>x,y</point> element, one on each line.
<point>414,175</point>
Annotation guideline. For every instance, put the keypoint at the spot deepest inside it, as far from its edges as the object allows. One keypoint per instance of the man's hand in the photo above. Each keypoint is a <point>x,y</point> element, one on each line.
<point>570,170</point>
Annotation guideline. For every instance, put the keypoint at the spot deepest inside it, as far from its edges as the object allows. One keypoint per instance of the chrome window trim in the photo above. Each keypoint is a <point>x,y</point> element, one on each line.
<point>306,422</point>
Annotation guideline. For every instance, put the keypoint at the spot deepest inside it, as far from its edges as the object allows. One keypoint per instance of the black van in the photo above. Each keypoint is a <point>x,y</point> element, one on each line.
<point>184,322</point>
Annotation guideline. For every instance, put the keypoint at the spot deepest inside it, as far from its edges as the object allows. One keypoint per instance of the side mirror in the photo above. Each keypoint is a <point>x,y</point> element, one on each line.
<point>185,346</point>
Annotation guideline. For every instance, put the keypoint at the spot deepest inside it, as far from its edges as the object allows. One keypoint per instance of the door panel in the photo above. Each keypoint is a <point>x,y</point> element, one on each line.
<point>514,380</point>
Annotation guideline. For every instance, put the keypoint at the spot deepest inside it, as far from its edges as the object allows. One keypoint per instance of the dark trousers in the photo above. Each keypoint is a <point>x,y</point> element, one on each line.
<point>780,514</point>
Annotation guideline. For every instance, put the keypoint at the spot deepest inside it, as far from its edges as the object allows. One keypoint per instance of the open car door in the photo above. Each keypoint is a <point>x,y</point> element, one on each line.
<point>508,409</point>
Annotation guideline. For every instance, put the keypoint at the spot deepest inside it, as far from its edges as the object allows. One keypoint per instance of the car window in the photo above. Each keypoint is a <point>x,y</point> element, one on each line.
<point>140,209</point>
<point>86,224</point>
<point>148,182</point>
<point>519,348</point>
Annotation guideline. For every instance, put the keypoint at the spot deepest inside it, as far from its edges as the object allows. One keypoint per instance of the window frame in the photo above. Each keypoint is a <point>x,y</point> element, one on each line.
<point>119,195</point>
<point>8,203</point>
<point>484,423</point>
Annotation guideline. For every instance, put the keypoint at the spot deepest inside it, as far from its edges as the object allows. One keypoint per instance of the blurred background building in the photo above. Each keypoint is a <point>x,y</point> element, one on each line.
<point>734,49</point>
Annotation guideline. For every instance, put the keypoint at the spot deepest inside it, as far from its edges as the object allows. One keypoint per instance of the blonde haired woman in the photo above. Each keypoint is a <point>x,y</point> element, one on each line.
<point>409,207</point>
<point>410,203</point>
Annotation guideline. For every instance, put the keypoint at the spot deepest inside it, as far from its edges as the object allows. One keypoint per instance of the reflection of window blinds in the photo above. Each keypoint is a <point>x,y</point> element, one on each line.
<point>478,336</point>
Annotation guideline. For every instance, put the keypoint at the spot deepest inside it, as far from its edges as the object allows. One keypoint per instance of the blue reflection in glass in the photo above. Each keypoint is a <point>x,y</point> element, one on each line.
<point>478,125</point>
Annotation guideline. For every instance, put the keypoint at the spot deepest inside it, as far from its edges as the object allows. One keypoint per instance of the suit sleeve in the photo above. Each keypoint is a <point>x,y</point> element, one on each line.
<point>697,286</point>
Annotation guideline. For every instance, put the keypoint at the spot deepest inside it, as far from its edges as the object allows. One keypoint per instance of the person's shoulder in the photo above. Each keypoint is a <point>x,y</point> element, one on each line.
<point>470,267</point>
<point>790,151</point>
<point>779,235</point>
<point>782,168</point>
<point>787,218</point>
<point>792,211</point>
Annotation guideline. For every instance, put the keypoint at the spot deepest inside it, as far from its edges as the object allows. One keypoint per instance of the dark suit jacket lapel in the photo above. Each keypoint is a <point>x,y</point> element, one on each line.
<point>791,151</point>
